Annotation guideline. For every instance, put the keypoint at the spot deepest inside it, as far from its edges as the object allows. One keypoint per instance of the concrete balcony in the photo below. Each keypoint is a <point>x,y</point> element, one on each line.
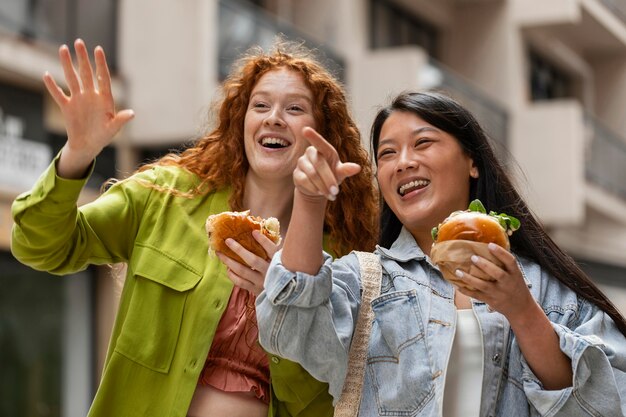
<point>588,27</point>
<point>548,142</point>
<point>574,171</point>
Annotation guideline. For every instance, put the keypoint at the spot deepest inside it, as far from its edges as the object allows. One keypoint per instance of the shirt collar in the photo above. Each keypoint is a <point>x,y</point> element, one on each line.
<point>404,248</point>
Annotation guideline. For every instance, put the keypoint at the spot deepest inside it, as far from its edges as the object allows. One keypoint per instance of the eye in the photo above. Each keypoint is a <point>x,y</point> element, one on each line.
<point>422,142</point>
<point>260,105</point>
<point>385,152</point>
<point>295,107</point>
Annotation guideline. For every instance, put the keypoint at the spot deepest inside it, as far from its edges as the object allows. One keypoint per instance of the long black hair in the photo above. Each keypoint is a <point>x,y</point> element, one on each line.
<point>494,188</point>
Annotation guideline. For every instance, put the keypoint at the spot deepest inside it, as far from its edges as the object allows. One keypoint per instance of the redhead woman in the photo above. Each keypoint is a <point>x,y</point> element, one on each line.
<point>185,337</point>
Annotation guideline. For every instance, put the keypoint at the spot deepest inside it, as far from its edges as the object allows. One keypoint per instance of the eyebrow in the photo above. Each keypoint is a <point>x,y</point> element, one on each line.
<point>413,133</point>
<point>289,96</point>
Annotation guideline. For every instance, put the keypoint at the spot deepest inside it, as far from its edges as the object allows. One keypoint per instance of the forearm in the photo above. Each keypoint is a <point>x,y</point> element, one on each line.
<point>539,344</point>
<point>303,243</point>
<point>308,319</point>
<point>72,164</point>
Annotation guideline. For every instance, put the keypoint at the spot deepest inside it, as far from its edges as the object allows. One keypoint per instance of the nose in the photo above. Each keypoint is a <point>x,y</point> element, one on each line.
<point>405,161</point>
<point>274,118</point>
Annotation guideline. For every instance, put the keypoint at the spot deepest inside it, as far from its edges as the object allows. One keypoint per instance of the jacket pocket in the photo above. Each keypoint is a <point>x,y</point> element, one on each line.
<point>153,319</point>
<point>398,362</point>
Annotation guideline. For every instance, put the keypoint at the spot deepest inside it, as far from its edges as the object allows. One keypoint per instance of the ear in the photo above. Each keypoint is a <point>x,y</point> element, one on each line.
<point>474,170</point>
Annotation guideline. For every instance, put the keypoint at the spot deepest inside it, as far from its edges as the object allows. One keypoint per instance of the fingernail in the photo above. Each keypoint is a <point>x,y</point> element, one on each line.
<point>492,246</point>
<point>458,273</point>
<point>474,258</point>
<point>334,190</point>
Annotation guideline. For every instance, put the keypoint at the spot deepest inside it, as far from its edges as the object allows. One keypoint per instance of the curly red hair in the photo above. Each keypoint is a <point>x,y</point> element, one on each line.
<point>219,157</point>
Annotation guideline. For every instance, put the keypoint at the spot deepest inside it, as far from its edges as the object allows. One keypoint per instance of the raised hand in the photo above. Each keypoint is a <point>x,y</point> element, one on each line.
<point>89,110</point>
<point>319,171</point>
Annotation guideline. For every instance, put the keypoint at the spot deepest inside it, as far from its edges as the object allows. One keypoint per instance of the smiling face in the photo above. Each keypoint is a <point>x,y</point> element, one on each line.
<point>423,173</point>
<point>280,106</point>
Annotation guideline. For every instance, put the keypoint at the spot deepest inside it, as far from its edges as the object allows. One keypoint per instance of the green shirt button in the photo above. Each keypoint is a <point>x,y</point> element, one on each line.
<point>275,359</point>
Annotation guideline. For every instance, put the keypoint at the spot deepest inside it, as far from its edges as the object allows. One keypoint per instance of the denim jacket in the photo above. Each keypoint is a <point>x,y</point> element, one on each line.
<point>310,319</point>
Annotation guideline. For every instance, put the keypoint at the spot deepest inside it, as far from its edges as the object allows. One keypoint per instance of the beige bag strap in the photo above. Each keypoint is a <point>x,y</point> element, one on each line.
<point>350,400</point>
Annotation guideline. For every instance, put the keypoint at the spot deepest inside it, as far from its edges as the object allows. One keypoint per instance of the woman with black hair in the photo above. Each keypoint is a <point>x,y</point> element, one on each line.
<point>537,338</point>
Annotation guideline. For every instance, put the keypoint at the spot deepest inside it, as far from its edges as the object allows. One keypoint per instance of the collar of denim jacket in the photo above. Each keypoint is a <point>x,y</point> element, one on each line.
<point>404,248</point>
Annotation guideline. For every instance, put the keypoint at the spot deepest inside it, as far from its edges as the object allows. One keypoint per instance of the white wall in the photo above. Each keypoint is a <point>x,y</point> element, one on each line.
<point>548,142</point>
<point>168,58</point>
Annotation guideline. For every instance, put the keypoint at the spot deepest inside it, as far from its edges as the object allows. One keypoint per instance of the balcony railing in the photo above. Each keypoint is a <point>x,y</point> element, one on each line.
<point>243,25</point>
<point>62,21</point>
<point>605,158</point>
<point>618,7</point>
<point>490,114</point>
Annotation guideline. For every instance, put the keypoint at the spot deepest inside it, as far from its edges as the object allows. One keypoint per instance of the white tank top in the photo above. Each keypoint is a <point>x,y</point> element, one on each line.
<point>464,375</point>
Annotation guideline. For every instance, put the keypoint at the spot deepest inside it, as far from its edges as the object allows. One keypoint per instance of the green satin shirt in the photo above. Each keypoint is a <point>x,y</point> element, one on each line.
<point>174,293</point>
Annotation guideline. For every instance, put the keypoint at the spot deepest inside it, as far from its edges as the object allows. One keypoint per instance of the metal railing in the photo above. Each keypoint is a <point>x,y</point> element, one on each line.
<point>605,158</point>
<point>492,116</point>
<point>618,7</point>
<point>62,21</point>
<point>243,25</point>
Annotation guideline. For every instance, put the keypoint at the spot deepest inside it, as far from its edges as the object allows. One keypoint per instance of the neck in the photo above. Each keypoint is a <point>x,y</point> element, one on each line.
<point>424,240</point>
<point>269,199</point>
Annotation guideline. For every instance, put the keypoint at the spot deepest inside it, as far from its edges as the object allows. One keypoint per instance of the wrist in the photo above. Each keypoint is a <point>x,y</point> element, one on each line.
<point>72,164</point>
<point>313,200</point>
<point>528,317</point>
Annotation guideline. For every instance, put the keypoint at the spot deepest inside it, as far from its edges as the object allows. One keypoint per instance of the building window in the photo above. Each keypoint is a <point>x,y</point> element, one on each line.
<point>547,81</point>
<point>62,21</point>
<point>391,25</point>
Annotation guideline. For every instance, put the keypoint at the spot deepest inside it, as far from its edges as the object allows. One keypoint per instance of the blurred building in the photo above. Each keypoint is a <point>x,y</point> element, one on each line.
<point>546,78</point>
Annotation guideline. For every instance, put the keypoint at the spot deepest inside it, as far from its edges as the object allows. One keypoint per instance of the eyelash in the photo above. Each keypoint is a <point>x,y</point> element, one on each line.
<point>417,144</point>
<point>290,108</point>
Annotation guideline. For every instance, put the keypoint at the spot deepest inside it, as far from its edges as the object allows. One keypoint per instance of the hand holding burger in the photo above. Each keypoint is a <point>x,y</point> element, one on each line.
<point>468,232</point>
<point>239,226</point>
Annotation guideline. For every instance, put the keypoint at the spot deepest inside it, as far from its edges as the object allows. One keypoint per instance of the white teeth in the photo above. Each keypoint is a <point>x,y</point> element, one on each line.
<point>413,184</point>
<point>274,141</point>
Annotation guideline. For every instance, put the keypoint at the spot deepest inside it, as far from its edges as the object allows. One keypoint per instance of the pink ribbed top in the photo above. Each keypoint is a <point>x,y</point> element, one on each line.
<point>236,362</point>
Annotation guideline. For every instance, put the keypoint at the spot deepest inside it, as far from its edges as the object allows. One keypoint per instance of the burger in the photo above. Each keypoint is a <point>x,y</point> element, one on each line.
<point>467,232</point>
<point>239,227</point>
<point>476,225</point>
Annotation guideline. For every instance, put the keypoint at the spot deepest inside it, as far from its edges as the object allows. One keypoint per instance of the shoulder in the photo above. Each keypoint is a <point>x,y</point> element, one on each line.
<point>168,176</point>
<point>164,179</point>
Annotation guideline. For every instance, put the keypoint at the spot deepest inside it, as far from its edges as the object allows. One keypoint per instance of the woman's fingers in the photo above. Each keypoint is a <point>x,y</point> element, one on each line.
<point>319,175</point>
<point>252,261</point>
<point>84,66</point>
<point>121,118</point>
<point>68,70</point>
<point>318,141</point>
<point>329,170</point>
<point>102,73</point>
<point>268,245</point>
<point>347,169</point>
<point>244,276</point>
<point>55,91</point>
<point>504,256</point>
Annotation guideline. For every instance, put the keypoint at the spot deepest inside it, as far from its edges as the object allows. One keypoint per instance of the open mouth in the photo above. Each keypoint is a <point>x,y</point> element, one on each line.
<point>412,186</point>
<point>273,143</point>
